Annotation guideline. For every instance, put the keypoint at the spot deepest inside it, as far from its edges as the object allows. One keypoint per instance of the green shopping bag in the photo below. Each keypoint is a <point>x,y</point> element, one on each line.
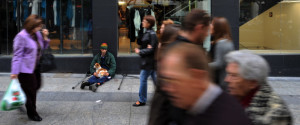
<point>14,96</point>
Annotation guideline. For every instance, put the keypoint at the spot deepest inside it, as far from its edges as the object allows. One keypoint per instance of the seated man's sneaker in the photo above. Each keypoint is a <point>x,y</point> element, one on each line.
<point>83,84</point>
<point>90,86</point>
<point>93,87</point>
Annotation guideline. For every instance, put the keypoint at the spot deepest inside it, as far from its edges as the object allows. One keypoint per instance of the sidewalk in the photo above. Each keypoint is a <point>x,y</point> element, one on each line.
<point>58,103</point>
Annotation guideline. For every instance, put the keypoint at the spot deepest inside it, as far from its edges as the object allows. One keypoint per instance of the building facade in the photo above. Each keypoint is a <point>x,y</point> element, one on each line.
<point>78,27</point>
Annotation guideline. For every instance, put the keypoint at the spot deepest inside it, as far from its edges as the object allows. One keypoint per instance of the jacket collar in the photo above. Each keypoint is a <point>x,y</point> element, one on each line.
<point>106,54</point>
<point>25,34</point>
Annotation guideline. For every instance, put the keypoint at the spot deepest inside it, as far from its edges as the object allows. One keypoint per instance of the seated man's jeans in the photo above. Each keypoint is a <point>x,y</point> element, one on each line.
<point>95,79</point>
<point>143,83</point>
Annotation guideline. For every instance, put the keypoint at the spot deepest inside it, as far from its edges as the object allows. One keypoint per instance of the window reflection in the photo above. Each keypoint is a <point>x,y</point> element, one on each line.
<point>270,26</point>
<point>69,23</point>
<point>131,13</point>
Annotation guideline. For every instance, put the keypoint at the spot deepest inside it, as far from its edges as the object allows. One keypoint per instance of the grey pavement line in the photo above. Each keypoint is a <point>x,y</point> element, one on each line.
<point>74,75</point>
<point>284,79</point>
<point>119,76</point>
<point>87,96</point>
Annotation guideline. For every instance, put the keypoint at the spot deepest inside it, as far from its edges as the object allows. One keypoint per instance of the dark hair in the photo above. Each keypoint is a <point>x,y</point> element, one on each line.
<point>167,22</point>
<point>221,28</point>
<point>151,20</point>
<point>195,17</point>
<point>169,35</point>
<point>32,22</point>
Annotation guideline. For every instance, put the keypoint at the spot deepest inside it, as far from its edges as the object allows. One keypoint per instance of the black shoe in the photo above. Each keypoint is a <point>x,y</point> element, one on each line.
<point>90,86</point>
<point>35,118</point>
<point>138,103</point>
<point>94,87</point>
<point>83,84</point>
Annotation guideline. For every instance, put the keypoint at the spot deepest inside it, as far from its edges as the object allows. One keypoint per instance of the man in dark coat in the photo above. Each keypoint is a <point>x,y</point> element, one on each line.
<point>108,62</point>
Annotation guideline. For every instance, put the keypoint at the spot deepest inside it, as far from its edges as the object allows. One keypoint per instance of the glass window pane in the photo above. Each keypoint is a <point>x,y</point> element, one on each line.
<point>290,26</point>
<point>53,25</point>
<point>69,23</point>
<point>270,26</point>
<point>3,28</point>
<point>71,26</point>
<point>162,9</point>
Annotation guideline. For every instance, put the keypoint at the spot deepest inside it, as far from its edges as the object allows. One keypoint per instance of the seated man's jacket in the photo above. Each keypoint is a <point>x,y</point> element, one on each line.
<point>110,62</point>
<point>267,108</point>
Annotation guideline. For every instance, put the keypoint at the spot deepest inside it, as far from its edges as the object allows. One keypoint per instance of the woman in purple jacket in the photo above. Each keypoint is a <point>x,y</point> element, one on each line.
<point>28,46</point>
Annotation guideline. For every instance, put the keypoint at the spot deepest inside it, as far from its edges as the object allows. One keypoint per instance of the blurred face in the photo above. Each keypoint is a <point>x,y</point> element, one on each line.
<point>171,70</point>
<point>211,29</point>
<point>201,33</point>
<point>162,28</point>
<point>145,24</point>
<point>238,86</point>
<point>103,51</point>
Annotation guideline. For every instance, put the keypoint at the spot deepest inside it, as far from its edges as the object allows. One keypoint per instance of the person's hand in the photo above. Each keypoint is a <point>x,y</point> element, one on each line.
<point>149,46</point>
<point>95,74</point>
<point>14,76</point>
<point>185,94</point>
<point>137,51</point>
<point>45,34</point>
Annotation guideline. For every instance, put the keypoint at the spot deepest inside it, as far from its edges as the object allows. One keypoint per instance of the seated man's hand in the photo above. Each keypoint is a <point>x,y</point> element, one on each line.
<point>106,74</point>
<point>95,74</point>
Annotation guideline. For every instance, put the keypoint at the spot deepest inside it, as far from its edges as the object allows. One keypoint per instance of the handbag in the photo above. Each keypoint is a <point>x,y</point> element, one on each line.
<point>14,96</point>
<point>47,62</point>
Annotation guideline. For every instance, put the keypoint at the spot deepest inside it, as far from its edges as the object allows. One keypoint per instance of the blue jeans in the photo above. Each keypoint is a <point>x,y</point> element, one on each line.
<point>143,83</point>
<point>95,79</point>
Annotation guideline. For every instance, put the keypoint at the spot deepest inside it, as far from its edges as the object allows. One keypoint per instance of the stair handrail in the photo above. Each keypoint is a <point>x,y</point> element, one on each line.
<point>183,8</point>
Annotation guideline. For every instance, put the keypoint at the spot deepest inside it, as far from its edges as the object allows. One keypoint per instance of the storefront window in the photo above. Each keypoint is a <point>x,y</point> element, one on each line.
<point>68,21</point>
<point>270,26</point>
<point>161,9</point>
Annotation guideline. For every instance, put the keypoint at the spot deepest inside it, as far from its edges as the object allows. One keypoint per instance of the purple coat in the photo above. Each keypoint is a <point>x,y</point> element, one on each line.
<point>25,52</point>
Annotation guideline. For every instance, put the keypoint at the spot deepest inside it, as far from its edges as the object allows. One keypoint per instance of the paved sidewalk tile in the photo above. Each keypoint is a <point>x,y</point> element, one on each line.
<point>59,104</point>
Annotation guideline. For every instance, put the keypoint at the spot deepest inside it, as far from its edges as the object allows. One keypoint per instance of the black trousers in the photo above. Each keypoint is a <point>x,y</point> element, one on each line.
<point>30,84</point>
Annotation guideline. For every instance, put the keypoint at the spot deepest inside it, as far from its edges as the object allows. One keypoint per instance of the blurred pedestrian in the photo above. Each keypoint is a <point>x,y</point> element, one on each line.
<point>164,24</point>
<point>27,50</point>
<point>169,35</point>
<point>194,30</point>
<point>148,63</point>
<point>184,75</point>
<point>221,45</point>
<point>247,80</point>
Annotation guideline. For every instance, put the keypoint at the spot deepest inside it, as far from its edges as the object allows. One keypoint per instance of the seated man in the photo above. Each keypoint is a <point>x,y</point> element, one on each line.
<point>107,61</point>
<point>247,80</point>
